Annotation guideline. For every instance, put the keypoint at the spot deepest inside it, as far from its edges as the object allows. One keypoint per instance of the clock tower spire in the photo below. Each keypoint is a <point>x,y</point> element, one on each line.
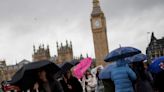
<point>98,26</point>
<point>96,8</point>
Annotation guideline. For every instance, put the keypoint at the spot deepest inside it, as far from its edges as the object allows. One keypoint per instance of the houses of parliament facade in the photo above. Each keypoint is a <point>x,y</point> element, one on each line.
<point>65,51</point>
<point>155,48</point>
<point>100,40</point>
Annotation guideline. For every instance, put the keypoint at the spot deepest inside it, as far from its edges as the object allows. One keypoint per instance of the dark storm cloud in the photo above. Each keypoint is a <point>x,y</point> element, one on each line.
<point>27,22</point>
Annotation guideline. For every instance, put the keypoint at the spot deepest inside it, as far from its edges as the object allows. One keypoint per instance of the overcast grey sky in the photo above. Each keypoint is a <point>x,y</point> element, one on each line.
<point>27,22</point>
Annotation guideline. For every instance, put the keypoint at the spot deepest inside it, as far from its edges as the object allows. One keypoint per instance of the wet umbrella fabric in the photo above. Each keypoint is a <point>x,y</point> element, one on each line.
<point>136,58</point>
<point>121,53</point>
<point>65,67</point>
<point>75,62</point>
<point>27,75</point>
<point>81,68</point>
<point>106,72</point>
<point>155,66</point>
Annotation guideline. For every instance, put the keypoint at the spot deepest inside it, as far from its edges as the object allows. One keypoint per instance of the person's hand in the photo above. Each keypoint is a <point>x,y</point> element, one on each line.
<point>69,86</point>
<point>36,86</point>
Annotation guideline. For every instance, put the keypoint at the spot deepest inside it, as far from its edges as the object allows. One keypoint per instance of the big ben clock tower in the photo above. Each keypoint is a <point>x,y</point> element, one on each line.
<point>98,25</point>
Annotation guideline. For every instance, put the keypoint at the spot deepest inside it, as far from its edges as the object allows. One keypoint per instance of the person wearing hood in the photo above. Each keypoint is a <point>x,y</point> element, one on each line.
<point>123,75</point>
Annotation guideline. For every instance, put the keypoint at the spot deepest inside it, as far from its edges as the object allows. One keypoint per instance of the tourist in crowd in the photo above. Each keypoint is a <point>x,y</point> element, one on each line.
<point>144,79</point>
<point>70,83</point>
<point>99,86</point>
<point>46,83</point>
<point>90,82</point>
<point>123,76</point>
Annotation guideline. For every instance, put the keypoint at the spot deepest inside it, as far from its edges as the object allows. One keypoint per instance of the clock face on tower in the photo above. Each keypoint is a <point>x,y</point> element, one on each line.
<point>96,23</point>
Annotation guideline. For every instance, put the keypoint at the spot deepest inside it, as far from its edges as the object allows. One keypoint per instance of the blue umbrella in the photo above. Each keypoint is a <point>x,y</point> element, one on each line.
<point>106,72</point>
<point>155,67</point>
<point>136,58</point>
<point>121,53</point>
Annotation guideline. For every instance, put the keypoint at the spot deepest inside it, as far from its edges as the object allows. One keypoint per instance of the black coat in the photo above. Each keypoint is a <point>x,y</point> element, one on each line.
<point>76,86</point>
<point>159,81</point>
<point>54,85</point>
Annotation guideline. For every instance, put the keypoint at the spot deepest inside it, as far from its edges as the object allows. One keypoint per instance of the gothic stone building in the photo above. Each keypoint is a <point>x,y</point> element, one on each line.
<point>65,52</point>
<point>155,48</point>
<point>41,53</point>
<point>7,71</point>
<point>99,31</point>
<point>2,65</point>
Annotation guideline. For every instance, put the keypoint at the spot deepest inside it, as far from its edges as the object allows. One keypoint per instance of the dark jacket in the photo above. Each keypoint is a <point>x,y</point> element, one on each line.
<point>108,85</point>
<point>144,78</point>
<point>143,84</point>
<point>74,83</point>
<point>64,85</point>
<point>159,81</point>
<point>54,86</point>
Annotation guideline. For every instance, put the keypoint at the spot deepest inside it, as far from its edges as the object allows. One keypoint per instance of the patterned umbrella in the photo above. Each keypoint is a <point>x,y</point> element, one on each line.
<point>121,53</point>
<point>81,68</point>
<point>155,66</point>
<point>136,58</point>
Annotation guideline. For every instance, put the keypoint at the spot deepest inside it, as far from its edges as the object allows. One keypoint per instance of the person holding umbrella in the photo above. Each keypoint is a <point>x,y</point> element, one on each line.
<point>41,72</point>
<point>157,69</point>
<point>70,83</point>
<point>46,82</point>
<point>144,79</point>
<point>122,74</point>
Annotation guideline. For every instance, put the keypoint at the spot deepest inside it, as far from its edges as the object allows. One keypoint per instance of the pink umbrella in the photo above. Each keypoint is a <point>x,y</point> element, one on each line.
<point>81,68</point>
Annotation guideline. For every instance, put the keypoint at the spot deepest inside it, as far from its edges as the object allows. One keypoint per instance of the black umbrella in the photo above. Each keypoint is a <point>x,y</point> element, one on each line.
<point>65,67</point>
<point>27,75</point>
<point>75,62</point>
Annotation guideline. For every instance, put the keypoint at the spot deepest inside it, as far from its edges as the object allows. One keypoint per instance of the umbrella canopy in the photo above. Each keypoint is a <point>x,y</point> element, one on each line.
<point>155,66</point>
<point>121,53</point>
<point>136,58</point>
<point>106,72</point>
<point>65,67</point>
<point>81,68</point>
<point>75,62</point>
<point>27,75</point>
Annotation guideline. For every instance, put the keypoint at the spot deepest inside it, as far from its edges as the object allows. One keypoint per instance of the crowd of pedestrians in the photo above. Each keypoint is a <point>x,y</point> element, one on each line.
<point>119,75</point>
